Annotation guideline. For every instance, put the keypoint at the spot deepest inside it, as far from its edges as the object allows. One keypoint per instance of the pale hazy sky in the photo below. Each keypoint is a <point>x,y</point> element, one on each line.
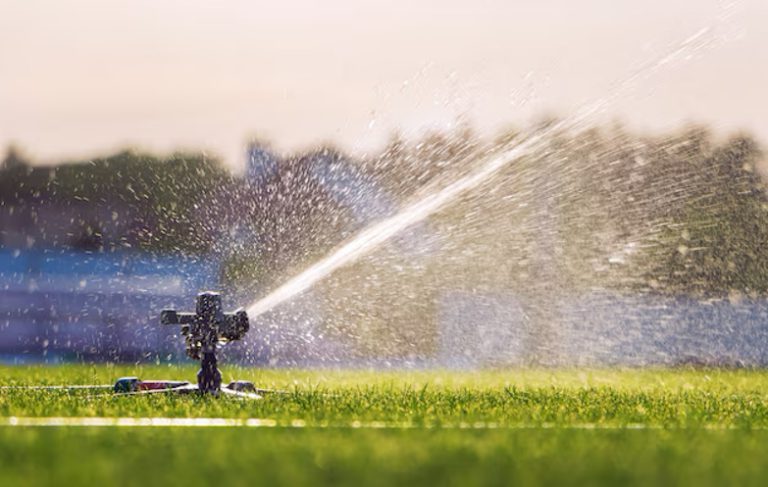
<point>82,77</point>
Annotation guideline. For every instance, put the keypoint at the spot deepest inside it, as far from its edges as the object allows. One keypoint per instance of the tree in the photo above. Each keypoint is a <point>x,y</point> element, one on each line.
<point>13,159</point>
<point>716,240</point>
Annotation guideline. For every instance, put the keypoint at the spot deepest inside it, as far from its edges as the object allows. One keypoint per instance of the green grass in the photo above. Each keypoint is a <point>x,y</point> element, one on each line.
<point>702,426</point>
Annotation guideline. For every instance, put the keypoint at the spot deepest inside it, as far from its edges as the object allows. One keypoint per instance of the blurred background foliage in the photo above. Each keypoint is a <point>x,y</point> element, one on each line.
<point>153,203</point>
<point>678,213</point>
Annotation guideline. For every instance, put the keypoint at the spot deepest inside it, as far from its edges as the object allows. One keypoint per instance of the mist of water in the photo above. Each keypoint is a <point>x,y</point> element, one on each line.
<point>437,198</point>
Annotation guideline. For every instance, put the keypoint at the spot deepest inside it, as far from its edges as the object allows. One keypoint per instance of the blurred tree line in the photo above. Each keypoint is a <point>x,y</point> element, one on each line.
<point>151,203</point>
<point>680,213</point>
<point>714,237</point>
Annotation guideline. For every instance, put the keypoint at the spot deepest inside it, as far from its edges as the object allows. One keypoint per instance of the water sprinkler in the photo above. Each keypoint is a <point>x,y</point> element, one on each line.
<point>203,331</point>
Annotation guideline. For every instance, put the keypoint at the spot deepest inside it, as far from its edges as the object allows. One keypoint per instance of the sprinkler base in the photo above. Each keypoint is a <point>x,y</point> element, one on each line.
<point>135,386</point>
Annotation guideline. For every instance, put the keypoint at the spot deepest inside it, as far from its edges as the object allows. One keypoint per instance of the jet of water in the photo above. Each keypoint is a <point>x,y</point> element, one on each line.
<point>378,233</point>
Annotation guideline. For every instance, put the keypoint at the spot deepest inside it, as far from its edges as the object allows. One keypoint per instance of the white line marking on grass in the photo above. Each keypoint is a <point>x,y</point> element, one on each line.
<point>301,424</point>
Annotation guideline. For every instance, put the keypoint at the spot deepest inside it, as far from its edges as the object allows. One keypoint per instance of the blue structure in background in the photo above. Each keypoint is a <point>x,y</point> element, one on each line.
<point>69,305</point>
<point>601,328</point>
<point>58,306</point>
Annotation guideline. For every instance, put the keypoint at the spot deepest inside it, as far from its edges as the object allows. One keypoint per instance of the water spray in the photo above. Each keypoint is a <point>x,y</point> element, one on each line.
<point>378,233</point>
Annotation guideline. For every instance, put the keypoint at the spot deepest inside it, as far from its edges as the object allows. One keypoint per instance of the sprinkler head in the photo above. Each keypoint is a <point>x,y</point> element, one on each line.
<point>209,324</point>
<point>203,330</point>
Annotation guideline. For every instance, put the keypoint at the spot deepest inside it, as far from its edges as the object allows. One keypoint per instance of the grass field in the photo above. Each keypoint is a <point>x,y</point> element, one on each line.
<point>708,427</point>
